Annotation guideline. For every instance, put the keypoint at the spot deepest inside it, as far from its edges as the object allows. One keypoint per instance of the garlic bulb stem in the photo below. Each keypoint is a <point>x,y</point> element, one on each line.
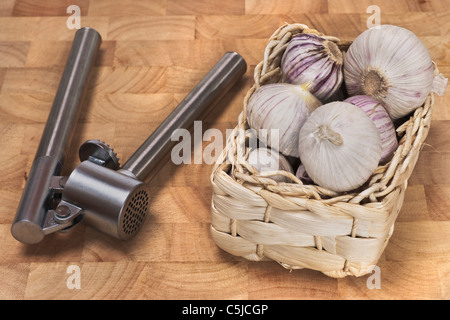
<point>333,51</point>
<point>375,83</point>
<point>325,132</point>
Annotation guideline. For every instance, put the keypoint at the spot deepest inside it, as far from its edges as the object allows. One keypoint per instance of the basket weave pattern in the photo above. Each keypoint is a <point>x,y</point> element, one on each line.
<point>307,226</point>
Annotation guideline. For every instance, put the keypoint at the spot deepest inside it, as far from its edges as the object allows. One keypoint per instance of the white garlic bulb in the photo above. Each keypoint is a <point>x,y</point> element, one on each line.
<point>379,116</point>
<point>268,160</point>
<point>339,146</point>
<point>281,109</point>
<point>311,58</point>
<point>392,65</point>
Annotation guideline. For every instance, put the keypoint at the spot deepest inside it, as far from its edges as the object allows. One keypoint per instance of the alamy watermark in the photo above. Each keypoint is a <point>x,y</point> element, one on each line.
<point>374,280</point>
<point>181,152</point>
<point>374,21</point>
<point>73,281</point>
<point>74,21</point>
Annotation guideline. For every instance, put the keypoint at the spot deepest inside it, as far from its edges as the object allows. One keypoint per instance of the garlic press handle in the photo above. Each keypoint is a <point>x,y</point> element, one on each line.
<point>37,196</point>
<point>223,75</point>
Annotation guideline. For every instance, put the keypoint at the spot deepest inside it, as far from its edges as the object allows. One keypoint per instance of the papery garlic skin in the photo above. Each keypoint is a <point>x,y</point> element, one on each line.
<point>439,84</point>
<point>380,117</point>
<point>392,65</point>
<point>281,109</point>
<point>267,160</point>
<point>339,146</point>
<point>311,58</point>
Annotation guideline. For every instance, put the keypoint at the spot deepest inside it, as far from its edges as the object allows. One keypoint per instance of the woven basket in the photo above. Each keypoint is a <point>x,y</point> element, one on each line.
<point>307,226</point>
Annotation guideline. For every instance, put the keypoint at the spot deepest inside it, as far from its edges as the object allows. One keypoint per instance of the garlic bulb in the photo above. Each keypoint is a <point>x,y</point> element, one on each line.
<point>392,65</point>
<point>339,146</point>
<point>303,175</point>
<point>281,109</point>
<point>266,160</point>
<point>311,58</point>
<point>379,116</point>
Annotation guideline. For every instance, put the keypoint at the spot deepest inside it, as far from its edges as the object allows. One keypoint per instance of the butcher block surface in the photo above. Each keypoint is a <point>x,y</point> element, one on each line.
<point>153,53</point>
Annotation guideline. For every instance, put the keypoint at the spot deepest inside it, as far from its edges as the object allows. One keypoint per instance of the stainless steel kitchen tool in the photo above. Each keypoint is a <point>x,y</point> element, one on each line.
<point>110,198</point>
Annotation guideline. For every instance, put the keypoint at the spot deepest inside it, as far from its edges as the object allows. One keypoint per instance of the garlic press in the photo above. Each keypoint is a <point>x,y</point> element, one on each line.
<point>111,198</point>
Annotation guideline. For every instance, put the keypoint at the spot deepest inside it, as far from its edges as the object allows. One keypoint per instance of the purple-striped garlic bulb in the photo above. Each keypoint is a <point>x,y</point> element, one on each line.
<point>380,117</point>
<point>277,112</point>
<point>311,58</point>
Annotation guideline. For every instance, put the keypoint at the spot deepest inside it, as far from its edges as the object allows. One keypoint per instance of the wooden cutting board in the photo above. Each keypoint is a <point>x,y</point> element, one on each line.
<point>152,55</point>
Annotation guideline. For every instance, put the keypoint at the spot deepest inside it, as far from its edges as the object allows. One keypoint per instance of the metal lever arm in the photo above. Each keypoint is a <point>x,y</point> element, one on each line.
<point>212,87</point>
<point>37,196</point>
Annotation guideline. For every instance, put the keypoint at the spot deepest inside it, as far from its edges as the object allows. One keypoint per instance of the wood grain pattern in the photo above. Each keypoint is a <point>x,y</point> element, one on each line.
<point>152,54</point>
<point>235,26</point>
<point>29,8</point>
<point>400,6</point>
<point>116,8</point>
<point>285,7</point>
<point>205,7</point>
<point>151,28</point>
